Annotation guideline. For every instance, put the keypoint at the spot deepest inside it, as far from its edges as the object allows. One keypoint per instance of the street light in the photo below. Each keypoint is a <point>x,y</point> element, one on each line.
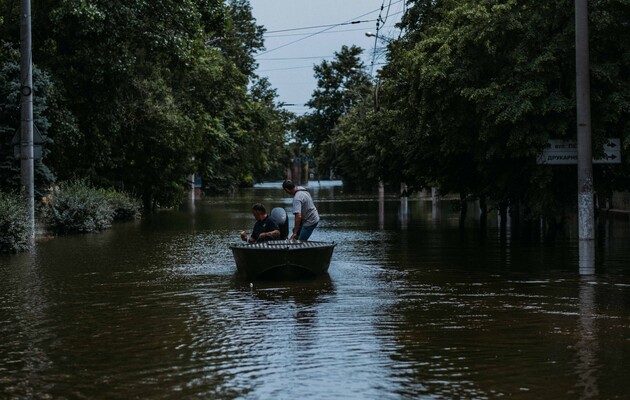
<point>377,37</point>
<point>370,34</point>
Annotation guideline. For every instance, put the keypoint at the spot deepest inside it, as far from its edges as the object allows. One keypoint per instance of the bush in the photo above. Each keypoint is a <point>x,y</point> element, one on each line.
<point>125,207</point>
<point>14,227</point>
<point>78,207</point>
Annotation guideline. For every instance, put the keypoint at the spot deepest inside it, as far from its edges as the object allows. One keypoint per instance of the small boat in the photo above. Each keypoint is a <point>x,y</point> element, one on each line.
<point>283,258</point>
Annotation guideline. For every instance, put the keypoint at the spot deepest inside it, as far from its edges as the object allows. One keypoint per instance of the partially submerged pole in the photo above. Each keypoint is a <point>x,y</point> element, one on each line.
<point>26,126</point>
<point>586,206</point>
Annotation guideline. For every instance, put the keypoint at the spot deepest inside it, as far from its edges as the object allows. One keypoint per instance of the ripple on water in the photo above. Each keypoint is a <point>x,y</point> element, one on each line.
<point>409,310</point>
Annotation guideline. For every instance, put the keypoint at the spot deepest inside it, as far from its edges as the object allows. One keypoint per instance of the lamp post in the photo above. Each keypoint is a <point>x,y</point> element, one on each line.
<point>26,127</point>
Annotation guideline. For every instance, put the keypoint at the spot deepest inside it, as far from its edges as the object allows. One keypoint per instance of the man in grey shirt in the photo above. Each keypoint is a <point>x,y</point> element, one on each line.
<point>306,216</point>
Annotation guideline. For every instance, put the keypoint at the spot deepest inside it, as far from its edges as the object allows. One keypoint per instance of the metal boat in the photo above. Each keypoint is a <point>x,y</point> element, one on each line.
<point>283,258</point>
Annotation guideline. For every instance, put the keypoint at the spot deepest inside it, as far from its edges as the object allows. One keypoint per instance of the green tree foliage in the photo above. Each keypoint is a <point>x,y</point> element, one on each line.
<point>367,146</point>
<point>10,120</point>
<point>473,90</point>
<point>341,84</point>
<point>78,207</point>
<point>15,231</point>
<point>148,92</point>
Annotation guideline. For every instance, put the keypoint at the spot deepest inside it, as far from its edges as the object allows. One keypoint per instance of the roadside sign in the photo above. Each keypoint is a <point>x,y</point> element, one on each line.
<point>560,152</point>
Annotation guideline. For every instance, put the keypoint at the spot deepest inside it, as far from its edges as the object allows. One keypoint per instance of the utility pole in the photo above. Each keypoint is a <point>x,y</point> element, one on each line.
<point>26,126</point>
<point>586,206</point>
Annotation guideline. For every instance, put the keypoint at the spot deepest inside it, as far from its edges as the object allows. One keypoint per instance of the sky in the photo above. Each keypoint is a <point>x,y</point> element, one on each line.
<point>289,66</point>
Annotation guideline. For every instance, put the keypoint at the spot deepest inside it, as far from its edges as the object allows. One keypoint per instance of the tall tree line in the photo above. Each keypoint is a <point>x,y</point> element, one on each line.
<point>473,90</point>
<point>140,94</point>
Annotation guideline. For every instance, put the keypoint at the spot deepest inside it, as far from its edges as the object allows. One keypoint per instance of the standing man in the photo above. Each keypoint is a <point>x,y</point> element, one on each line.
<point>306,216</point>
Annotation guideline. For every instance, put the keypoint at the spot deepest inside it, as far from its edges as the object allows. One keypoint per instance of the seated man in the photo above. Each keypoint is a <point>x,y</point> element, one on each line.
<point>265,228</point>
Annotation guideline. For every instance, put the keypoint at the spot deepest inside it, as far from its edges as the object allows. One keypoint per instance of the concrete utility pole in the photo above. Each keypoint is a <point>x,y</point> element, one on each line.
<point>586,206</point>
<point>26,126</point>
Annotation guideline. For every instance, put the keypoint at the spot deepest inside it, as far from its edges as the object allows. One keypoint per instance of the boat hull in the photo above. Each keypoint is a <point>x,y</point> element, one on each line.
<point>286,259</point>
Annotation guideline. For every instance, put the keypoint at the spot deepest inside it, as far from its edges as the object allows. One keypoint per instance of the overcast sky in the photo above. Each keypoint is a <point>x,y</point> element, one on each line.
<point>289,66</point>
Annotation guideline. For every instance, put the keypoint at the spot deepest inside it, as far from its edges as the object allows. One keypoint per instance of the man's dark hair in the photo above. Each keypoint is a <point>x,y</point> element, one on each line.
<point>288,185</point>
<point>260,208</point>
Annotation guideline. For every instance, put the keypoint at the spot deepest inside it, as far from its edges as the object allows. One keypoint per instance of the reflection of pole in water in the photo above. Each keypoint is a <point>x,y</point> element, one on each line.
<point>191,194</point>
<point>586,346</point>
<point>435,204</point>
<point>381,206</point>
<point>587,257</point>
<point>587,343</point>
<point>404,212</point>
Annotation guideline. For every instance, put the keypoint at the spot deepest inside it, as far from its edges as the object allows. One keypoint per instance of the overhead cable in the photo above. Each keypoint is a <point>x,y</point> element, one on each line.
<point>321,26</point>
<point>318,32</point>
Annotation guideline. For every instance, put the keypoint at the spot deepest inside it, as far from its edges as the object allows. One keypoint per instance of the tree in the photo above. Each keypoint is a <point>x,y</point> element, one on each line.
<point>146,93</point>
<point>472,92</point>
<point>43,90</point>
<point>341,84</point>
<point>480,86</point>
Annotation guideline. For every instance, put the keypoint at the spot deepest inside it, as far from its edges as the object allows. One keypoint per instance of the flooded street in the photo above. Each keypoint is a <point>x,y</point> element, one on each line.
<point>413,307</point>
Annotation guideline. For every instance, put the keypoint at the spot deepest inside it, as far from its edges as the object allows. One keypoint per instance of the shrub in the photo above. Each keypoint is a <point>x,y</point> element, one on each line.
<point>125,207</point>
<point>77,207</point>
<point>14,227</point>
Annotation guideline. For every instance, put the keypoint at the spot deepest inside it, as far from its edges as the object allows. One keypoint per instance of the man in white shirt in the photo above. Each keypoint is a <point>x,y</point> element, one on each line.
<point>306,216</point>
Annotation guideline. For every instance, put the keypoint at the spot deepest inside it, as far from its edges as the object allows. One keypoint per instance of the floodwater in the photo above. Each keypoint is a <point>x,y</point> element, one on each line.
<point>413,307</point>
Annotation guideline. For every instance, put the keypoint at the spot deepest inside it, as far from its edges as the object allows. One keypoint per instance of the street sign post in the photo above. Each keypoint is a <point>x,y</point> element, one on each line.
<point>564,152</point>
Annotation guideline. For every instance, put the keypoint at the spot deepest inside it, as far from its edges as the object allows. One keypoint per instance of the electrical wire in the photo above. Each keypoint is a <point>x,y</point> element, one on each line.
<point>320,26</point>
<point>380,20</point>
<point>304,34</point>
<point>285,69</point>
<point>324,30</point>
<point>294,58</point>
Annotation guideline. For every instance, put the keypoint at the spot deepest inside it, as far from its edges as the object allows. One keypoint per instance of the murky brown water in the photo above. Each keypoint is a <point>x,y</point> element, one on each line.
<point>413,307</point>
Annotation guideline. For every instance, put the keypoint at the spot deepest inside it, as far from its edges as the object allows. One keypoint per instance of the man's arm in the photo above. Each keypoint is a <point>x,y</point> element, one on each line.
<point>271,230</point>
<point>296,226</point>
<point>273,234</point>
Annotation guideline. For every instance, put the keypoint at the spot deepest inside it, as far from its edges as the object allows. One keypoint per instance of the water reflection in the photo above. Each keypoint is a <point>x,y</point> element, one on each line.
<point>381,209</point>
<point>411,308</point>
<point>587,366</point>
<point>304,292</point>
<point>586,257</point>
<point>403,213</point>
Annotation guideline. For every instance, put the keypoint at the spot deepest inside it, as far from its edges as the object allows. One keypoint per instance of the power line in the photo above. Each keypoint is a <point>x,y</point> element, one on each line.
<point>284,69</point>
<point>304,34</point>
<point>293,58</point>
<point>320,26</point>
<point>379,27</point>
<point>317,33</point>
<point>295,41</point>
